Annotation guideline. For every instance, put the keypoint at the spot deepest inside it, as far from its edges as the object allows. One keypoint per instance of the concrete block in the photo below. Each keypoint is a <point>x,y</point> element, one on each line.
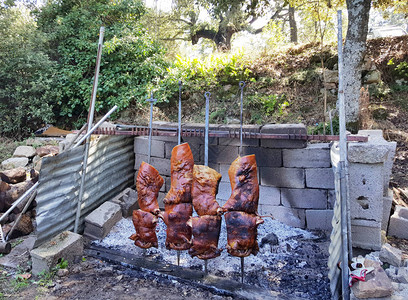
<point>224,191</point>
<point>160,199</point>
<point>289,216</point>
<point>319,219</point>
<point>162,165</point>
<point>67,245</point>
<point>399,223</point>
<point>304,198</point>
<point>320,178</point>
<point>235,142</point>
<point>141,146</point>
<point>269,195</point>
<point>374,151</point>
<point>313,156</point>
<point>99,222</point>
<point>331,199</point>
<point>222,154</point>
<point>391,255</point>
<point>366,234</point>
<point>366,191</point>
<point>387,203</point>
<point>127,200</point>
<point>282,177</point>
<point>284,129</point>
<point>265,157</point>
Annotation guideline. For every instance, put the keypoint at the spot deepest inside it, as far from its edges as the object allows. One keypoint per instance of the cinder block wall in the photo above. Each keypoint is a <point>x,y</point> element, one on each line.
<point>296,178</point>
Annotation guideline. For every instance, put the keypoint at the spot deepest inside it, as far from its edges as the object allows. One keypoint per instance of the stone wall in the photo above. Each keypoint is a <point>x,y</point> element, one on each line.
<point>296,178</point>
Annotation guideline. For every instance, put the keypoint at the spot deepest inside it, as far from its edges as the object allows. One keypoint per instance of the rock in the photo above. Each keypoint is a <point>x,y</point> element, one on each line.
<point>47,150</point>
<point>372,77</point>
<point>331,76</point>
<point>14,175</point>
<point>377,283</point>
<point>227,87</point>
<point>24,151</point>
<point>390,255</point>
<point>14,162</point>
<point>392,272</point>
<point>402,276</point>
<point>232,121</point>
<point>14,192</point>
<point>378,112</point>
<point>62,272</point>
<point>399,223</point>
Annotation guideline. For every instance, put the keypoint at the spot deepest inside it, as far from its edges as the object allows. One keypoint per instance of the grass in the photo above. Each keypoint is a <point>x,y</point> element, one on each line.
<point>7,147</point>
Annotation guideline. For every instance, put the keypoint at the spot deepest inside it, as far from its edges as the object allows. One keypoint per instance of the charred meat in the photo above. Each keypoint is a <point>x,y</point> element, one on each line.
<point>145,225</point>
<point>148,184</point>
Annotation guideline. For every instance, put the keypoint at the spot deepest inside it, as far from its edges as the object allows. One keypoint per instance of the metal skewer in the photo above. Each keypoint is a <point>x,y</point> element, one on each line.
<point>207,96</point>
<point>152,101</point>
<point>241,86</point>
<point>178,257</point>
<point>179,114</point>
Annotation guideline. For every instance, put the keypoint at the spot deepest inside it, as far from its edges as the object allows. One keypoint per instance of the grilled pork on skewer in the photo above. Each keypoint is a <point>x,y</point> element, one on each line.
<point>178,232</point>
<point>145,225</point>
<point>204,190</point>
<point>148,184</point>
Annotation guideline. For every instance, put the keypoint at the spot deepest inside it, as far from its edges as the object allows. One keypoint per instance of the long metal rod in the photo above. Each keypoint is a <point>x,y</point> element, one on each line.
<point>342,164</point>
<point>179,115</point>
<point>90,121</point>
<point>21,214</point>
<point>207,96</point>
<point>241,119</point>
<point>18,201</point>
<point>87,135</point>
<point>143,131</point>
<point>152,101</point>
<point>242,269</point>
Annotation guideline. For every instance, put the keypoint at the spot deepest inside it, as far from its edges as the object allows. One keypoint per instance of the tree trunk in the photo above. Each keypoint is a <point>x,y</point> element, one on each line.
<point>292,25</point>
<point>221,38</point>
<point>354,51</point>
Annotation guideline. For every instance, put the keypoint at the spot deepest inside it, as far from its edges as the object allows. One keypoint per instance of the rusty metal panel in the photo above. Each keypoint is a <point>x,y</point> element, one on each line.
<point>110,170</point>
<point>335,248</point>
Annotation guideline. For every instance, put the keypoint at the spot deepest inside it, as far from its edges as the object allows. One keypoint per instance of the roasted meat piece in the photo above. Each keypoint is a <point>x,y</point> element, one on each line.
<point>148,184</point>
<point>242,233</point>
<point>244,185</point>
<point>145,225</point>
<point>181,164</point>
<point>178,232</point>
<point>206,231</point>
<point>204,190</point>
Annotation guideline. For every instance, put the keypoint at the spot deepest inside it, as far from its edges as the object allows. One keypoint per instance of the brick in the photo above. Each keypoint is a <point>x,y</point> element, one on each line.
<point>366,191</point>
<point>269,195</point>
<point>399,223</point>
<point>162,165</point>
<point>366,234</point>
<point>314,156</point>
<point>321,178</point>
<point>265,157</point>
<point>141,146</point>
<point>284,129</point>
<point>67,245</point>
<point>99,222</point>
<point>319,219</point>
<point>304,198</point>
<point>289,216</point>
<point>222,154</point>
<point>224,191</point>
<point>282,177</point>
<point>127,201</point>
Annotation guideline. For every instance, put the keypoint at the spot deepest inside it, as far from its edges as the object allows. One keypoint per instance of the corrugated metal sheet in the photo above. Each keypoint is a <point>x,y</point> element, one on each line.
<point>109,171</point>
<point>335,249</point>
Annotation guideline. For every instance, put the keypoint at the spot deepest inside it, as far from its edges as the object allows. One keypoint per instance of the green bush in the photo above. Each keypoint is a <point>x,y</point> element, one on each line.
<point>26,75</point>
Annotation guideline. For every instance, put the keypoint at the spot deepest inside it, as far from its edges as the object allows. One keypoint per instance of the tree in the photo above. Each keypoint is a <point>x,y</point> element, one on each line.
<point>26,74</point>
<point>131,62</point>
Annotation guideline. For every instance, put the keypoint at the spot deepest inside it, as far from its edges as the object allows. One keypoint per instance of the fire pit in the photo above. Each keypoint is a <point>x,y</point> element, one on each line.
<point>296,266</point>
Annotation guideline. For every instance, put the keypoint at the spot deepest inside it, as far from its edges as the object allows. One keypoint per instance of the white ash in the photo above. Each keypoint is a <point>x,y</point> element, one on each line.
<point>118,238</point>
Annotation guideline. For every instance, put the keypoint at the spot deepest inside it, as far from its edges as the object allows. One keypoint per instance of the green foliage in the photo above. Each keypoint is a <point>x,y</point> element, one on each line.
<point>318,128</point>
<point>63,264</point>
<point>26,94</point>
<point>46,278</point>
<point>270,105</point>
<point>400,70</point>
<point>131,62</point>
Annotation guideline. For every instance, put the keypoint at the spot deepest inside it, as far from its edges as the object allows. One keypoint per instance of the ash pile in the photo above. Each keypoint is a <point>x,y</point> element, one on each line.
<point>290,260</point>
